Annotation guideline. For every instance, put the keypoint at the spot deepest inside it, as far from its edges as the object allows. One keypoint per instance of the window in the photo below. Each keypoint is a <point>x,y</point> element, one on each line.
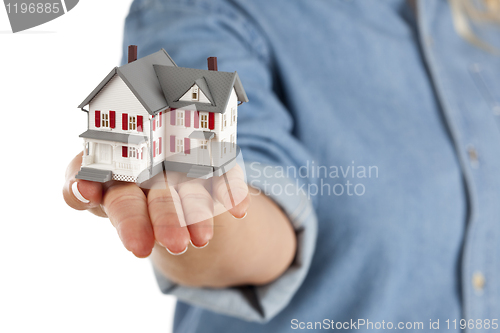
<point>224,122</point>
<point>222,148</point>
<point>158,120</point>
<point>204,121</point>
<point>132,152</point>
<point>195,95</point>
<point>180,118</point>
<point>132,123</point>
<point>87,149</point>
<point>180,145</point>
<point>231,146</point>
<point>233,116</point>
<point>203,144</point>
<point>104,120</point>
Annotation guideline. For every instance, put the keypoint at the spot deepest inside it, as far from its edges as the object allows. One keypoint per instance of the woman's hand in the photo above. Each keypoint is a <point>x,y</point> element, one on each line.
<point>170,209</point>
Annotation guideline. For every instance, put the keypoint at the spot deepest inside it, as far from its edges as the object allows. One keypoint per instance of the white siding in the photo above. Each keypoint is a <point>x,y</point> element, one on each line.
<point>182,132</point>
<point>116,96</point>
<point>160,134</point>
<point>226,133</point>
<point>220,134</point>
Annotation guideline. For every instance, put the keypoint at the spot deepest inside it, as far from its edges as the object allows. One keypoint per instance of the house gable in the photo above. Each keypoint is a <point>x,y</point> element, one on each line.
<point>141,79</point>
<point>175,80</point>
<point>195,94</point>
<point>115,96</point>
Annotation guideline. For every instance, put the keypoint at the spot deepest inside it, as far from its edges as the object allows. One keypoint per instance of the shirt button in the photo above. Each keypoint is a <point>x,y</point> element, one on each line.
<point>473,157</point>
<point>478,281</point>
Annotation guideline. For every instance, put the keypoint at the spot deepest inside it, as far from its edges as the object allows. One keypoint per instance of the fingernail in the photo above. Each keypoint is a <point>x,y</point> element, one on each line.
<point>77,193</point>
<point>176,254</point>
<point>241,218</point>
<point>198,247</point>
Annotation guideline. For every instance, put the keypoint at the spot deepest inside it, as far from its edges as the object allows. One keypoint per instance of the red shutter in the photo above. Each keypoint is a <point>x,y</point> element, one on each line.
<point>97,118</point>
<point>196,119</point>
<point>154,123</point>
<point>172,116</point>
<point>139,124</point>
<point>188,118</point>
<point>124,151</point>
<point>112,119</point>
<point>187,146</point>
<point>124,121</point>
<point>154,148</point>
<point>172,143</point>
<point>160,118</point>
<point>159,142</point>
<point>211,120</point>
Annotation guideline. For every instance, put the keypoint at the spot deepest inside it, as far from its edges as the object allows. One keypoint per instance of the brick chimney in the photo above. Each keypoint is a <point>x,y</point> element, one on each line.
<point>212,63</point>
<point>132,53</point>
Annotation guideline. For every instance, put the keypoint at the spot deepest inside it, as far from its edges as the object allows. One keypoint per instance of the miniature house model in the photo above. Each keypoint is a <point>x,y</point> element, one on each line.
<point>150,115</point>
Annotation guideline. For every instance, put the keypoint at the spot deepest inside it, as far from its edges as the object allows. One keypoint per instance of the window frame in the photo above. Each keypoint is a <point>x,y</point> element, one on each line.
<point>132,123</point>
<point>132,152</point>
<point>195,94</point>
<point>179,118</point>
<point>204,120</point>
<point>179,145</point>
<point>105,119</point>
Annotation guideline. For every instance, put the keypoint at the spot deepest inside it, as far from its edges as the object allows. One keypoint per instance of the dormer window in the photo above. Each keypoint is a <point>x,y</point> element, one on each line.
<point>195,95</point>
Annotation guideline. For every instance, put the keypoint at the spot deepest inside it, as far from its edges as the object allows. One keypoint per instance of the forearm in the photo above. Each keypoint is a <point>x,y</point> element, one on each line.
<point>255,250</point>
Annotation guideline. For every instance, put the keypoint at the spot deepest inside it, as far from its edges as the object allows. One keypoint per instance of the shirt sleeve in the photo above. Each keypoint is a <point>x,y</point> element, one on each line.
<point>190,31</point>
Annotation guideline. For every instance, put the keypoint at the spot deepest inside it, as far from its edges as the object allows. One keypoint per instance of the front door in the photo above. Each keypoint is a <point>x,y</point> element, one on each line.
<point>104,153</point>
<point>204,153</point>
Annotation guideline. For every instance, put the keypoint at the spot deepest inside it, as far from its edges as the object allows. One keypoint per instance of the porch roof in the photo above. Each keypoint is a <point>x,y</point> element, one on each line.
<point>111,136</point>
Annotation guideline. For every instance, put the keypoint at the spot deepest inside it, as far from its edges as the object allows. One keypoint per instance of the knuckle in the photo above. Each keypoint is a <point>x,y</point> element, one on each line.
<point>128,221</point>
<point>119,201</point>
<point>196,196</point>
<point>163,200</point>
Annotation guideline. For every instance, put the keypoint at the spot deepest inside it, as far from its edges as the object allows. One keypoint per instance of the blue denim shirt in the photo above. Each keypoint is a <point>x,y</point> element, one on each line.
<point>377,132</point>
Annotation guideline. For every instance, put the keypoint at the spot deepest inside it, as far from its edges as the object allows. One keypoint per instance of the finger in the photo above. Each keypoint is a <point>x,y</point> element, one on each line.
<point>167,218</point>
<point>198,207</point>
<point>81,194</point>
<point>231,190</point>
<point>126,207</point>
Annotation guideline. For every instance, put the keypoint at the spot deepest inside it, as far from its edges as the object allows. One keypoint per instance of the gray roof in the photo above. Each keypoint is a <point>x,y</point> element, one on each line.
<point>175,81</point>
<point>111,136</point>
<point>141,78</point>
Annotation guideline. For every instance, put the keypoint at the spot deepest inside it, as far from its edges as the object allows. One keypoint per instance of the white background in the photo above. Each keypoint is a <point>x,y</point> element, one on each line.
<point>62,270</point>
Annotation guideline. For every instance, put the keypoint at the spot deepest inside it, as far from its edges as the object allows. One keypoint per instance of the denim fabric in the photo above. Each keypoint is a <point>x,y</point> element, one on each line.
<point>394,121</point>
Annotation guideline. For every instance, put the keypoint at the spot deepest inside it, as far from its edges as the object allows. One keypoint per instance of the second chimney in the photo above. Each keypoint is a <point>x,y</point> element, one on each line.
<point>212,63</point>
<point>132,53</point>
